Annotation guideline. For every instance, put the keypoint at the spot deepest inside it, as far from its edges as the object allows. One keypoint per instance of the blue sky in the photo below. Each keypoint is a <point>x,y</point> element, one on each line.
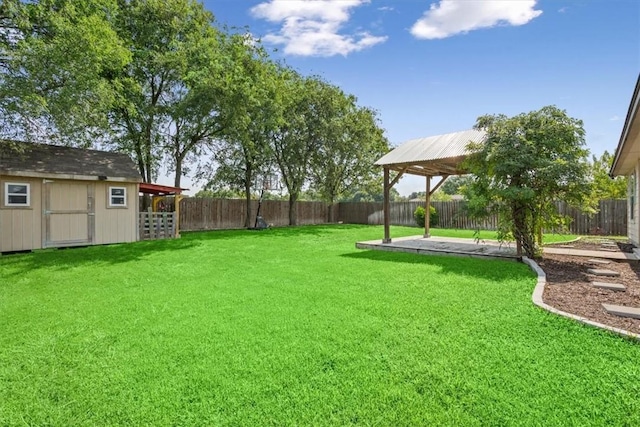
<point>433,67</point>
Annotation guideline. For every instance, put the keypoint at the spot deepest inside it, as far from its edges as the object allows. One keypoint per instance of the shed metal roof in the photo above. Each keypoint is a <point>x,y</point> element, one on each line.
<point>434,155</point>
<point>42,160</point>
<point>159,189</point>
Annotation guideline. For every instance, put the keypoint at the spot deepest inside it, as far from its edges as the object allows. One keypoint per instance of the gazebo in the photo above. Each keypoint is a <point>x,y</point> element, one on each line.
<point>434,156</point>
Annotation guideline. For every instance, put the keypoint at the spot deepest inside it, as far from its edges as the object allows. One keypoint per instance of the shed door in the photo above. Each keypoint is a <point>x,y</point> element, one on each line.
<point>69,215</point>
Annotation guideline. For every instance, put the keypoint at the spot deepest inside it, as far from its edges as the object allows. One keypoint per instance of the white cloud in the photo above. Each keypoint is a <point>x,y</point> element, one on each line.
<point>563,9</point>
<point>450,17</point>
<point>386,8</point>
<point>312,27</point>
<point>614,119</point>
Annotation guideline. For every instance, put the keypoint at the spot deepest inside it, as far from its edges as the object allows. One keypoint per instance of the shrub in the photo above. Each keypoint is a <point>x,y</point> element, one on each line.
<point>419,216</point>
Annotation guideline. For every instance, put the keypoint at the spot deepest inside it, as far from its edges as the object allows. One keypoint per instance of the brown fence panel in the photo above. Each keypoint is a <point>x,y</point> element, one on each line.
<point>611,219</point>
<point>209,214</point>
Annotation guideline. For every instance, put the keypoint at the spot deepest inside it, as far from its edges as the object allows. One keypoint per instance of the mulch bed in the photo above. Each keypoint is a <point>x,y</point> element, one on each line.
<point>568,286</point>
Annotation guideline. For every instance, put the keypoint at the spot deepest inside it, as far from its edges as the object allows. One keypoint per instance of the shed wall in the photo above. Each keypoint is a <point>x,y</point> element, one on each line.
<point>115,224</point>
<point>21,227</point>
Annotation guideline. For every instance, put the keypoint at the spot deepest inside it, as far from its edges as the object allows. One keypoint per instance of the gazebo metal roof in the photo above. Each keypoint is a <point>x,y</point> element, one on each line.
<point>438,155</point>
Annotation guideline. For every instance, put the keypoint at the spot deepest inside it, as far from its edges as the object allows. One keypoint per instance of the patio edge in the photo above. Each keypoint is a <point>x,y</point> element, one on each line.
<point>537,300</point>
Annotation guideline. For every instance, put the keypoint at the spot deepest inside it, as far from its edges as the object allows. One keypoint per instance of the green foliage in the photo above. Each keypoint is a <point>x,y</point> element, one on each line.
<point>370,191</point>
<point>418,215</point>
<point>161,82</point>
<point>219,193</point>
<point>456,184</point>
<point>441,196</point>
<point>603,186</point>
<point>55,59</point>
<point>293,327</point>
<point>527,162</point>
<point>353,141</point>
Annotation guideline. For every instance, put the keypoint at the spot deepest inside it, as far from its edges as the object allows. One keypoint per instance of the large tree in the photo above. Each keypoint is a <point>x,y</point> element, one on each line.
<point>354,141</point>
<point>56,57</point>
<point>168,96</point>
<point>301,129</point>
<point>242,157</point>
<point>527,162</point>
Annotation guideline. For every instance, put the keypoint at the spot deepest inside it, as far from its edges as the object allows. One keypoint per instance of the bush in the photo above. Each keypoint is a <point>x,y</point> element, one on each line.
<point>419,216</point>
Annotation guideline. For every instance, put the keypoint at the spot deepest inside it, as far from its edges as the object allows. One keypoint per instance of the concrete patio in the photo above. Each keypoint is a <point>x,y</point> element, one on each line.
<point>454,246</point>
<point>451,246</point>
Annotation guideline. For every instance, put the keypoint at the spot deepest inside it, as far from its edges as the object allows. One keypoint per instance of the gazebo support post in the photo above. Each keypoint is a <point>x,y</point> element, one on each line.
<point>427,209</point>
<point>385,209</point>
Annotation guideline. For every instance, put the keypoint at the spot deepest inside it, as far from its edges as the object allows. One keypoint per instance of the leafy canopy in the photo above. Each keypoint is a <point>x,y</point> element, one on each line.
<point>527,162</point>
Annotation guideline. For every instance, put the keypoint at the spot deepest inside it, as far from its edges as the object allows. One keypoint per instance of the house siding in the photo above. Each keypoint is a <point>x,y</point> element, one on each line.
<point>633,227</point>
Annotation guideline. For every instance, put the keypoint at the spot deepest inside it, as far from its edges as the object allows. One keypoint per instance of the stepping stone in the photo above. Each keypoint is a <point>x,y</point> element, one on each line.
<point>608,249</point>
<point>598,261</point>
<point>607,273</point>
<point>622,310</point>
<point>566,246</point>
<point>610,286</point>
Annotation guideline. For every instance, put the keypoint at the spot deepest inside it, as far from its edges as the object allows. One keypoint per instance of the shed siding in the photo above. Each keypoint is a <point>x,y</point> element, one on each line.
<point>115,225</point>
<point>21,228</point>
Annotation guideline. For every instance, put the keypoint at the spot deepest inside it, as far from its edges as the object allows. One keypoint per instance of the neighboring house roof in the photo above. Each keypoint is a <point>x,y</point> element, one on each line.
<point>42,160</point>
<point>434,155</point>
<point>628,150</point>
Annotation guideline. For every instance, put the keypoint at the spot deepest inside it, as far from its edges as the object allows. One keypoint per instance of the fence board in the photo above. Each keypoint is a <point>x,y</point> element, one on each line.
<point>156,225</point>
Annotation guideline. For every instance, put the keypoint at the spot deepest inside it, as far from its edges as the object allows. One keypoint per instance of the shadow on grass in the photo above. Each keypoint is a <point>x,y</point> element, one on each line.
<point>66,258</point>
<point>285,231</point>
<point>487,269</point>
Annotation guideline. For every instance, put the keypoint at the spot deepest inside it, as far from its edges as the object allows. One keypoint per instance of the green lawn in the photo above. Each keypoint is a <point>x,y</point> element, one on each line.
<point>295,327</point>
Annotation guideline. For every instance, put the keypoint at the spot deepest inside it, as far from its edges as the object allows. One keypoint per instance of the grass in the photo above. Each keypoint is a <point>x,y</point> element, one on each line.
<point>295,327</point>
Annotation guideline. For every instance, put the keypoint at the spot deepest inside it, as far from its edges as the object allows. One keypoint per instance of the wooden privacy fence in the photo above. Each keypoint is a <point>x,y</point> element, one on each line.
<point>610,220</point>
<point>157,225</point>
<point>209,214</point>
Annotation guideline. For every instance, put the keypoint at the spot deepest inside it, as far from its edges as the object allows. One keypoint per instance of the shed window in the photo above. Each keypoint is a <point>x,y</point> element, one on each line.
<point>16,194</point>
<point>117,196</point>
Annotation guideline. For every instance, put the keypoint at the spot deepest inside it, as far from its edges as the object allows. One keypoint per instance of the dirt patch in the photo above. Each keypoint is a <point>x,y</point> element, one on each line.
<point>569,288</point>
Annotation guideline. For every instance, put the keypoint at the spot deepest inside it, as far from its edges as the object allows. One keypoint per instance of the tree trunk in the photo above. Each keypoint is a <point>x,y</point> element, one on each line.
<point>523,232</point>
<point>247,195</point>
<point>177,179</point>
<point>293,209</point>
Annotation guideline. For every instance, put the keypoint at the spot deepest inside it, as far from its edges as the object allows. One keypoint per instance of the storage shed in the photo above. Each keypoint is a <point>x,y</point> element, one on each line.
<point>54,196</point>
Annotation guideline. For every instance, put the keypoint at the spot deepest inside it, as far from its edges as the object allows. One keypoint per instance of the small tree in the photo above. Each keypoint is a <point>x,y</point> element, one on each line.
<point>605,187</point>
<point>526,163</point>
<point>418,215</point>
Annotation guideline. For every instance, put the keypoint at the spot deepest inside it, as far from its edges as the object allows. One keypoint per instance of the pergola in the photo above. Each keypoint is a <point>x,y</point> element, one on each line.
<point>440,155</point>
